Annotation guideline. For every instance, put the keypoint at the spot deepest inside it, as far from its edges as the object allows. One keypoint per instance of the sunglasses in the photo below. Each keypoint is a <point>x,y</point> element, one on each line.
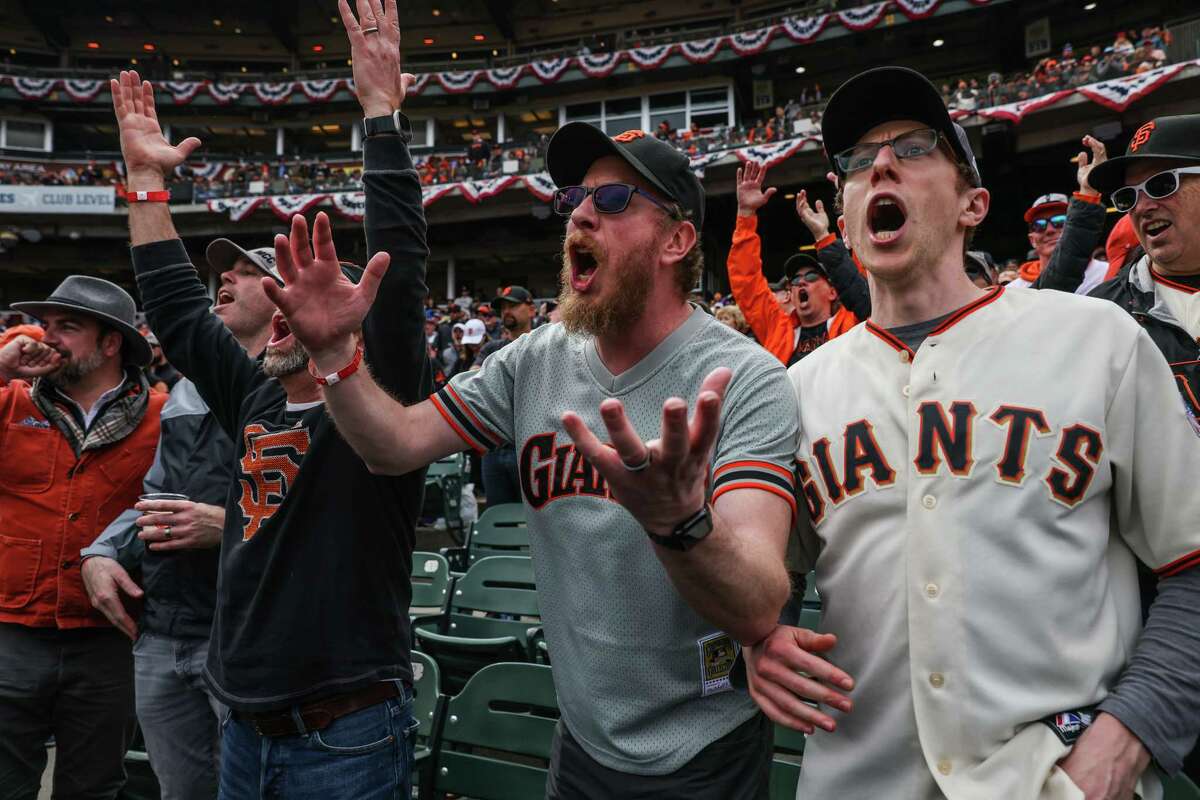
<point>1040,225</point>
<point>1156,187</point>
<point>812,276</point>
<point>608,198</point>
<point>913,144</point>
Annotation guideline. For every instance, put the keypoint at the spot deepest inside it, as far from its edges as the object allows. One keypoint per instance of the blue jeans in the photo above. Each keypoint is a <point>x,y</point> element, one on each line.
<point>180,719</point>
<point>367,755</point>
<point>501,481</point>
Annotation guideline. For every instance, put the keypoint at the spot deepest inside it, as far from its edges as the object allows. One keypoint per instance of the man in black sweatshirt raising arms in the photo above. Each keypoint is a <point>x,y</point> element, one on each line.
<point>310,640</point>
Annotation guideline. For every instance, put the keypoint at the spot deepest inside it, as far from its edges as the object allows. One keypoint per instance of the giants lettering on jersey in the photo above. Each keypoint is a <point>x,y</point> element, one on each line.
<point>271,463</point>
<point>946,445</point>
<point>551,471</point>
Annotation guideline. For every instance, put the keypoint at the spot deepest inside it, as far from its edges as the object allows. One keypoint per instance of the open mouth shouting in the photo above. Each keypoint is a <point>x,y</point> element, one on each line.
<point>224,298</point>
<point>803,297</point>
<point>281,334</point>
<point>585,259</point>
<point>886,218</point>
<point>1155,230</point>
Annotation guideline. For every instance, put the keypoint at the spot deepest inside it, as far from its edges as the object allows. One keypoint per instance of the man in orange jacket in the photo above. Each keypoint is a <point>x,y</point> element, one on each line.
<point>78,429</point>
<point>828,294</point>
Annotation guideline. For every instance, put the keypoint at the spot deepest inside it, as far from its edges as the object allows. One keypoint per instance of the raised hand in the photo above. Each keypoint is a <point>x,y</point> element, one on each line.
<point>149,157</point>
<point>785,669</point>
<point>26,357</point>
<point>324,309</point>
<point>1099,156</point>
<point>375,52</point>
<point>813,217</point>
<point>672,484</point>
<point>750,194</point>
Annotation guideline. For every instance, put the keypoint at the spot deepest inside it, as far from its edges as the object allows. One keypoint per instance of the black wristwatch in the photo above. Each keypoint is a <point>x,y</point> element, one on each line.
<point>688,533</point>
<point>394,124</point>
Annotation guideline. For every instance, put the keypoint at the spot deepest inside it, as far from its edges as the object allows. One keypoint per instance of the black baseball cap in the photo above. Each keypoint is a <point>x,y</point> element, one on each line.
<point>886,94</point>
<point>803,262</point>
<point>513,294</point>
<point>222,254</point>
<point>577,145</point>
<point>1176,138</point>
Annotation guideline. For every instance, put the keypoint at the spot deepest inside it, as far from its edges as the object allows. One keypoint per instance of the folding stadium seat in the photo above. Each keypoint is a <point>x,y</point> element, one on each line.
<point>1180,788</point>
<point>785,765</point>
<point>427,705</point>
<point>492,610</point>
<point>811,598</point>
<point>443,492</point>
<point>496,735</point>
<point>430,584</point>
<point>500,531</point>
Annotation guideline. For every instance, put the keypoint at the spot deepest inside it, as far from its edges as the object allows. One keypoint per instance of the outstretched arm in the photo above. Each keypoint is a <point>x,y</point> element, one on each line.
<point>851,286</point>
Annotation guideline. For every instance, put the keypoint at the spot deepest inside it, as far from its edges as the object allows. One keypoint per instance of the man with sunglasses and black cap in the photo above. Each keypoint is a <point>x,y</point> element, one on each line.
<point>78,427</point>
<point>658,548</point>
<point>826,293</point>
<point>310,640</point>
<point>979,492</point>
<point>1157,183</point>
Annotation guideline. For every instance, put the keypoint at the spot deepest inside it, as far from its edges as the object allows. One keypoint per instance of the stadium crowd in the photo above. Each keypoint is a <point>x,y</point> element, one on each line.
<point>218,481</point>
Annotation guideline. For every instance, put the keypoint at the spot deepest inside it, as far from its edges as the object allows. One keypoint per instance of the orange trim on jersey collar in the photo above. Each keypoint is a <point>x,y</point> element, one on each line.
<point>1165,281</point>
<point>1190,561</point>
<point>956,317</point>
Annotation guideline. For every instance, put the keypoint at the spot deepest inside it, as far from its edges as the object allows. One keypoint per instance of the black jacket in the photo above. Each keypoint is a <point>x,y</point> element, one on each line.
<point>316,554</point>
<point>1133,290</point>
<point>1083,232</point>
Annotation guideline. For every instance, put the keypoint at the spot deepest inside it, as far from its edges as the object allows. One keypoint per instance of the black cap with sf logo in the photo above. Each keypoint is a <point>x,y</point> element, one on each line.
<point>1175,138</point>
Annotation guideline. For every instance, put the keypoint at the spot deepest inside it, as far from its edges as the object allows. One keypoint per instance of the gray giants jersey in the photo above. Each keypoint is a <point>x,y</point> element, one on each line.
<point>642,679</point>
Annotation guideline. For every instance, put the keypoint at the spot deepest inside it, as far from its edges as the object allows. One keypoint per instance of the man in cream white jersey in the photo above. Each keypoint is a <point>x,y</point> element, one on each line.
<point>977,505</point>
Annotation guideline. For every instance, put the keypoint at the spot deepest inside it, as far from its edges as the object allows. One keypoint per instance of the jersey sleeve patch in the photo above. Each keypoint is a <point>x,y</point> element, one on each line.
<point>464,422</point>
<point>762,475</point>
<point>1179,565</point>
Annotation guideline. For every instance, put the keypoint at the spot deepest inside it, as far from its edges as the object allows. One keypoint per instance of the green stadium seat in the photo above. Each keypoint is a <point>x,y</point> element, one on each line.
<point>492,608</point>
<point>430,584</point>
<point>500,531</point>
<point>1180,788</point>
<point>811,598</point>
<point>496,735</point>
<point>443,492</point>
<point>785,765</point>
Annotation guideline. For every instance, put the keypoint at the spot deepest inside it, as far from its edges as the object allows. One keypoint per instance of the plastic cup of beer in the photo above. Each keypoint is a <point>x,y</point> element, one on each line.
<point>162,496</point>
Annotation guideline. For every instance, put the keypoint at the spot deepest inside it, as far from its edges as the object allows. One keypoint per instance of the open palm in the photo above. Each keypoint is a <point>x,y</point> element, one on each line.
<point>324,309</point>
<point>750,193</point>
<point>143,145</point>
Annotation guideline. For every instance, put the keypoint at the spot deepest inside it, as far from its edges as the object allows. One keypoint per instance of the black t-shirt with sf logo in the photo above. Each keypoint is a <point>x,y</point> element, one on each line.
<point>317,552</point>
<point>810,338</point>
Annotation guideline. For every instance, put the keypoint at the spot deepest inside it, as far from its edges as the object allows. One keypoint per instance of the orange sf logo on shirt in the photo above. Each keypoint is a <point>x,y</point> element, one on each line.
<point>269,467</point>
<point>629,136</point>
<point>1141,136</point>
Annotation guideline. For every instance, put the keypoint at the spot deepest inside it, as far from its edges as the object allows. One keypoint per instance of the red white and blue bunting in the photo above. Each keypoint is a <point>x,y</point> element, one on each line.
<point>351,205</point>
<point>34,88</point>
<point>286,206</point>
<point>84,91</point>
<point>540,186</point>
<point>203,169</point>
<point>474,191</point>
<point>806,29</point>
<point>273,94</point>
<point>863,17</point>
<point>768,155</point>
<point>1119,93</point>
<point>238,207</point>
<point>746,43</point>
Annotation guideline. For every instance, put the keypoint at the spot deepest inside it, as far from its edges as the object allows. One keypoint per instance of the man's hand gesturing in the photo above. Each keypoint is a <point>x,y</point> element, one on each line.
<point>324,309</point>
<point>813,217</point>
<point>1085,167</point>
<point>26,357</point>
<point>661,482</point>
<point>149,157</point>
<point>375,52</point>
<point>750,194</point>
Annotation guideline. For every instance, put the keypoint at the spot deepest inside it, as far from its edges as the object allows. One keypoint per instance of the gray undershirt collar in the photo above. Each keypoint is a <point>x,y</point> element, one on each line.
<point>650,363</point>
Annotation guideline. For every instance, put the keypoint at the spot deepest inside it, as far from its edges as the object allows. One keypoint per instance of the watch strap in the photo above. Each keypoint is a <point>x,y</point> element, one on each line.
<point>683,538</point>
<point>394,124</point>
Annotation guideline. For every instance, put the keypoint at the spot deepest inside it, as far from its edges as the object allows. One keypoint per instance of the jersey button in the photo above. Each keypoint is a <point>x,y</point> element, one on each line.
<point>932,590</point>
<point>929,501</point>
<point>937,680</point>
<point>906,391</point>
<point>945,767</point>
<point>904,357</point>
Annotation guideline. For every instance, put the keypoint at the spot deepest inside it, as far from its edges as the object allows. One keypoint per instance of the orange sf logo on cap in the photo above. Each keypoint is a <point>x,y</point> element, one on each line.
<point>629,136</point>
<point>1141,137</point>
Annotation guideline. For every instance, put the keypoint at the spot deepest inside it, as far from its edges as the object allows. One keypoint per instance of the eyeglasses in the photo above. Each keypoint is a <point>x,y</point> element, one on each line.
<point>913,144</point>
<point>812,276</point>
<point>608,198</point>
<point>1156,187</point>
<point>1040,225</point>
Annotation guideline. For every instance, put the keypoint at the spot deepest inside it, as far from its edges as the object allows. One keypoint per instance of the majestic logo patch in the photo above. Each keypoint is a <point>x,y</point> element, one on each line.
<point>1141,136</point>
<point>718,654</point>
<point>629,136</point>
<point>269,467</point>
<point>1068,726</point>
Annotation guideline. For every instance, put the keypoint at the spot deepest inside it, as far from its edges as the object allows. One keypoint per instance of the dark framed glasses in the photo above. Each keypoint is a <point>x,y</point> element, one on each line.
<point>608,198</point>
<point>811,276</point>
<point>913,144</point>
<point>1156,187</point>
<point>1040,225</point>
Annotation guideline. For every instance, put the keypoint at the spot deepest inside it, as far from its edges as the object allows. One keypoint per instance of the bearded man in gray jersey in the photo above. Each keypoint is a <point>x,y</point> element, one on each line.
<point>658,554</point>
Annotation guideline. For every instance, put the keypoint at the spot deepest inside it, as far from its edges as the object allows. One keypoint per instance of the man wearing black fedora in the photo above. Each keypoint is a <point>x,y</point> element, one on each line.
<point>78,429</point>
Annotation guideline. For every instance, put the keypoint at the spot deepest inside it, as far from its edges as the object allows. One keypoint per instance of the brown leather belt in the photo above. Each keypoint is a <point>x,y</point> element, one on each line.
<point>318,714</point>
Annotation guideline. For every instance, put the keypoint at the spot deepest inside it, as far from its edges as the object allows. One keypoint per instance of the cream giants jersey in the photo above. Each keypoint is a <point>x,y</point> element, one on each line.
<point>977,509</point>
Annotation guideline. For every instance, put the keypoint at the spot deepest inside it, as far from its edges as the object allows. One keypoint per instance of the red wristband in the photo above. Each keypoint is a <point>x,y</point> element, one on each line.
<point>160,196</point>
<point>341,374</point>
